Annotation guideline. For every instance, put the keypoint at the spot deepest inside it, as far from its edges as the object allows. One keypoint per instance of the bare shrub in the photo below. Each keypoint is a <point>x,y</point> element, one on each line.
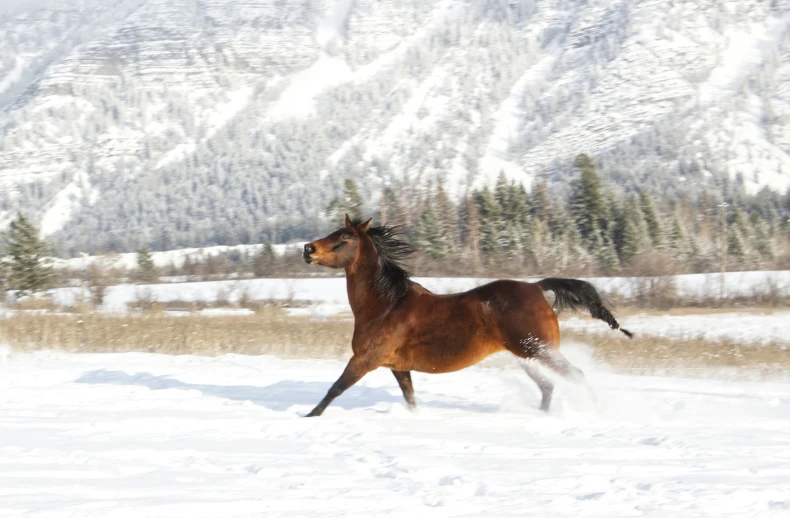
<point>30,303</point>
<point>772,293</point>
<point>144,298</point>
<point>97,280</point>
<point>224,295</point>
<point>782,261</point>
<point>245,296</point>
<point>653,281</point>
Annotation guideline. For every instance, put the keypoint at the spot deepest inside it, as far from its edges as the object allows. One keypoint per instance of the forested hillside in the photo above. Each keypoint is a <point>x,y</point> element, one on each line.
<point>176,123</point>
<point>591,231</point>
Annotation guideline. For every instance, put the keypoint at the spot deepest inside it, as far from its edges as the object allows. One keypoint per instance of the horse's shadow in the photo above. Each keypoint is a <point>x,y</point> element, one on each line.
<point>279,396</point>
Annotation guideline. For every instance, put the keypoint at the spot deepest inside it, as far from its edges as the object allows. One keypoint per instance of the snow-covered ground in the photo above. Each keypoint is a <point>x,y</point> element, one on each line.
<point>132,435</point>
<point>333,290</point>
<point>743,327</point>
<point>128,261</point>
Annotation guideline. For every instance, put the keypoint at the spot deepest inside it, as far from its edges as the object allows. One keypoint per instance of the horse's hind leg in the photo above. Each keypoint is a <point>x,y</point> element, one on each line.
<point>555,361</point>
<point>404,380</point>
<point>544,384</point>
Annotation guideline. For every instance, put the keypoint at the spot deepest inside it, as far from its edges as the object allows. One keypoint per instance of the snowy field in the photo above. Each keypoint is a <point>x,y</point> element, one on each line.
<point>128,261</point>
<point>332,291</point>
<point>743,327</point>
<point>145,435</point>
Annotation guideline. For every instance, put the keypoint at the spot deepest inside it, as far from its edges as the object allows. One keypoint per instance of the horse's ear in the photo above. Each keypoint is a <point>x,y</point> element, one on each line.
<point>364,226</point>
<point>348,220</point>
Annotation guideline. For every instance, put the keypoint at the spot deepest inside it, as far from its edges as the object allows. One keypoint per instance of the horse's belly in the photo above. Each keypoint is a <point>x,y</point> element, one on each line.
<point>437,359</point>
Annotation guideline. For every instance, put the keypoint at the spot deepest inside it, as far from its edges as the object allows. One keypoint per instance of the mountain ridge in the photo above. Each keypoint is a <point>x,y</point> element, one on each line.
<point>183,122</point>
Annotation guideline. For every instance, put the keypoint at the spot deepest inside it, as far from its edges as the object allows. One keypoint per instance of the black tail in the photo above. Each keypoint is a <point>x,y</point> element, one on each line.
<point>575,294</point>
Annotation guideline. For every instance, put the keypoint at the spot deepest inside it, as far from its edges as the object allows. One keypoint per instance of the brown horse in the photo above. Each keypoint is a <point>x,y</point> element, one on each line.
<point>402,326</point>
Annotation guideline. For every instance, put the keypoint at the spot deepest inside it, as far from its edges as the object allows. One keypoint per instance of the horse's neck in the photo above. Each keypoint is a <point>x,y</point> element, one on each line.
<point>360,284</point>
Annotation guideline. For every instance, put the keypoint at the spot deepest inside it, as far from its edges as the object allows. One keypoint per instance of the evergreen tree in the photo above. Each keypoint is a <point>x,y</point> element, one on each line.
<point>470,220</point>
<point>651,219</point>
<point>540,244</point>
<point>517,216</point>
<point>349,203</point>
<point>447,220</point>
<point>27,266</point>
<point>189,267</point>
<point>501,191</point>
<point>586,203</point>
<point>632,231</point>
<point>574,252</point>
<point>429,234</point>
<point>264,262</point>
<point>763,243</point>
<point>678,240</point>
<point>540,202</point>
<point>145,266</point>
<point>518,205</point>
<point>607,258</point>
<point>612,214</point>
<point>737,233</point>
<point>602,248</point>
<point>490,221</point>
<point>735,246</point>
<point>390,207</point>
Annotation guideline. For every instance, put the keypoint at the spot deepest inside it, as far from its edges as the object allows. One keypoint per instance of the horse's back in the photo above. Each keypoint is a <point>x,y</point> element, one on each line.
<point>523,313</point>
<point>511,289</point>
<point>499,298</point>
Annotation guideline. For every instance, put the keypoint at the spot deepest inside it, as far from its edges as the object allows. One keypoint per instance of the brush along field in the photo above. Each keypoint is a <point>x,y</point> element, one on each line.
<point>684,341</point>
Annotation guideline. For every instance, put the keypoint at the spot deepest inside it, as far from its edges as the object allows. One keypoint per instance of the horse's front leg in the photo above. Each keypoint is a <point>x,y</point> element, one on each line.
<point>357,367</point>
<point>404,380</point>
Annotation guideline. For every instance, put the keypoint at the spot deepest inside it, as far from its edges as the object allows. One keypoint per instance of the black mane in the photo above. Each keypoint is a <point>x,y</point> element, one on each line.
<point>392,280</point>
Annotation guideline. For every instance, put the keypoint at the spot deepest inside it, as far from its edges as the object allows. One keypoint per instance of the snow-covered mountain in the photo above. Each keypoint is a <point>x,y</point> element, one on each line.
<point>196,122</point>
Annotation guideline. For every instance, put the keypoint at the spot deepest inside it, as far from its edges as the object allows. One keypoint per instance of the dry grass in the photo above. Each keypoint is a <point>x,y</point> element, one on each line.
<point>656,355</point>
<point>271,331</point>
<point>35,303</point>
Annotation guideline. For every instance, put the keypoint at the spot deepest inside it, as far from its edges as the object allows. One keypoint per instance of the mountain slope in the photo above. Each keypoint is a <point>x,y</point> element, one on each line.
<point>188,123</point>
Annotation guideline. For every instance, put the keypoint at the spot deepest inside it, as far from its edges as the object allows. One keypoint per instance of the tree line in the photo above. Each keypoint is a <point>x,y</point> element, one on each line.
<point>593,230</point>
<point>503,230</point>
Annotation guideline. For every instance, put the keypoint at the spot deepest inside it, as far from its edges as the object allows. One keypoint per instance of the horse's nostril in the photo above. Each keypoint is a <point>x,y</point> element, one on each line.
<point>309,248</point>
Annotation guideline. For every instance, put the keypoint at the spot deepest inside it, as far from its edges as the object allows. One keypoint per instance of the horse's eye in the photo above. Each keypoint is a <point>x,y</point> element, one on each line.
<point>345,237</point>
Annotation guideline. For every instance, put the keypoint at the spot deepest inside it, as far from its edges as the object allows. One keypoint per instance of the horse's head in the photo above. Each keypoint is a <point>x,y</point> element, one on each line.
<point>339,249</point>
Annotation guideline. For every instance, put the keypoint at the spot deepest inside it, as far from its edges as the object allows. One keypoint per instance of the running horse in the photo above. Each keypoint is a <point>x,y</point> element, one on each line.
<point>400,325</point>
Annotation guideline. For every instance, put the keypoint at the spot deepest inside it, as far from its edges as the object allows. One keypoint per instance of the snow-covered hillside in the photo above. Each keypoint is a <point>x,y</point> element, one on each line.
<point>131,435</point>
<point>176,121</point>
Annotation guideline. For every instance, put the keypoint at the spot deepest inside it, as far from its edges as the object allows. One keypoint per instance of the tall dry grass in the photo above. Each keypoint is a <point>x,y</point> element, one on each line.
<point>268,331</point>
<point>271,331</point>
<point>660,355</point>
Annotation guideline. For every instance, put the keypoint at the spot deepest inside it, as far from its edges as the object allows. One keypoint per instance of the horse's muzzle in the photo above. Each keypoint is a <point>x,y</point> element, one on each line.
<point>309,249</point>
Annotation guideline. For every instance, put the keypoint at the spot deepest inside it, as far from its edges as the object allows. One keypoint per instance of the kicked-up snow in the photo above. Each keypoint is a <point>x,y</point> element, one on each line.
<point>133,435</point>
